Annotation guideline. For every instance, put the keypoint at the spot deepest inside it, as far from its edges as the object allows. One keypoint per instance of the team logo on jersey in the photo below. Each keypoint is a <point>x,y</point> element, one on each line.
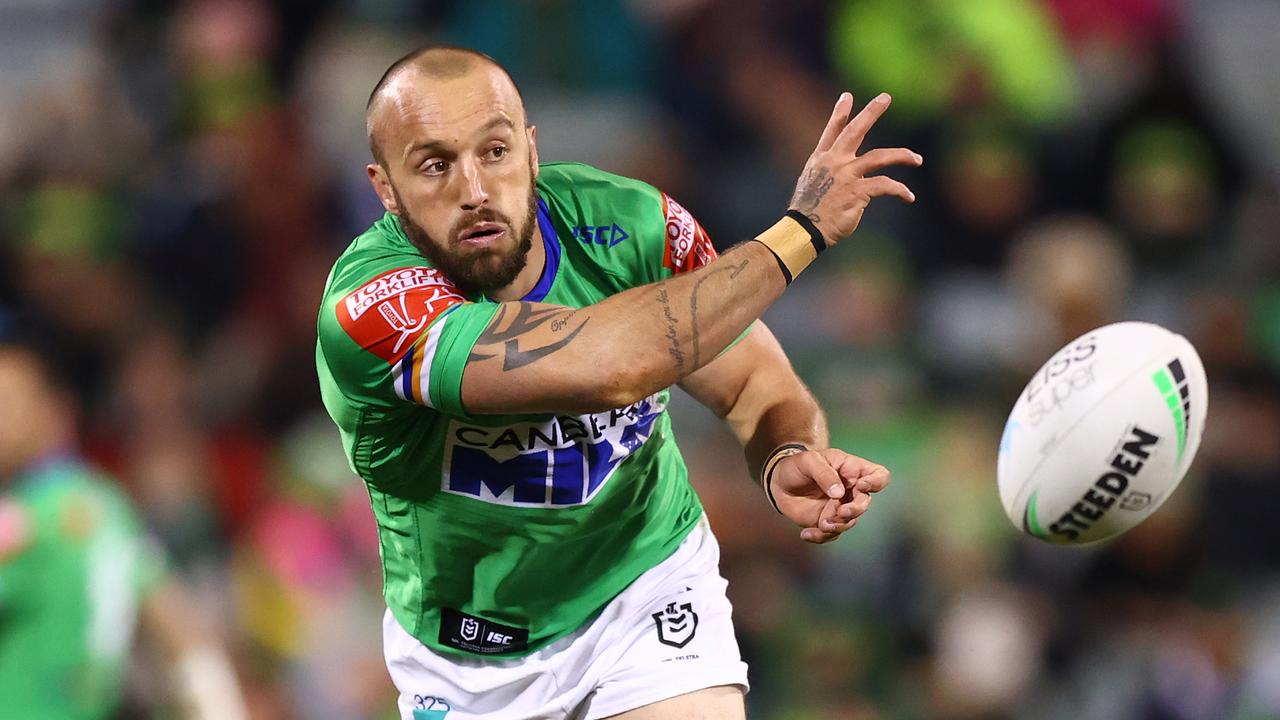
<point>385,314</point>
<point>676,624</point>
<point>688,246</point>
<point>554,463</point>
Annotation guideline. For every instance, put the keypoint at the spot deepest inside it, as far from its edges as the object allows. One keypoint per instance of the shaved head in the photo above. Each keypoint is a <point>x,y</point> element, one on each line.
<point>434,62</point>
<point>456,161</point>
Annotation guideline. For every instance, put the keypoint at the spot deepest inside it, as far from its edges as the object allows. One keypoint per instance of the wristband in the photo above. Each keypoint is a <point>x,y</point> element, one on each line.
<point>795,241</point>
<point>771,462</point>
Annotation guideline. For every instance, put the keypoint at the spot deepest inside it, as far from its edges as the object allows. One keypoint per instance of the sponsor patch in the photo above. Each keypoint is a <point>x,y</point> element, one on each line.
<point>688,245</point>
<point>385,314</point>
<point>477,635</point>
<point>561,461</point>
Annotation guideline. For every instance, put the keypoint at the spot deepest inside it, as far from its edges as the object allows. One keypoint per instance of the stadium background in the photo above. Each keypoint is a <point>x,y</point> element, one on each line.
<point>176,178</point>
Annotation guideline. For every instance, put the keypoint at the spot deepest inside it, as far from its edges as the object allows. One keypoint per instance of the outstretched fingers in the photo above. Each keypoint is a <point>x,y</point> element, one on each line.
<point>839,118</point>
<point>855,132</point>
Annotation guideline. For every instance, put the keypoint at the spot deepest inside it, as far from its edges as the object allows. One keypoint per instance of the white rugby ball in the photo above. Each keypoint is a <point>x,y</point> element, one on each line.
<point>1102,434</point>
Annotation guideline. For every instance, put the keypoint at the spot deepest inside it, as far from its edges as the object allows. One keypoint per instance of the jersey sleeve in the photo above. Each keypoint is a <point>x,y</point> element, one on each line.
<point>685,245</point>
<point>395,331</point>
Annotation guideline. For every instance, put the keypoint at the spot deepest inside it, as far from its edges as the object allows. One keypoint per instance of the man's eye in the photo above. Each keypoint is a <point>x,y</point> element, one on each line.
<point>498,152</point>
<point>436,167</point>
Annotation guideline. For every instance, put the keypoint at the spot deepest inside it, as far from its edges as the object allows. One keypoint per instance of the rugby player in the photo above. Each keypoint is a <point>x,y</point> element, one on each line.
<point>77,574</point>
<point>497,352</point>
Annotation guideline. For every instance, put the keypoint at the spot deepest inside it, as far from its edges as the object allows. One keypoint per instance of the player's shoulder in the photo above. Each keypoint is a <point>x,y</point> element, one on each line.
<point>62,499</point>
<point>380,248</point>
<point>607,209</point>
<point>380,263</point>
<point>587,183</point>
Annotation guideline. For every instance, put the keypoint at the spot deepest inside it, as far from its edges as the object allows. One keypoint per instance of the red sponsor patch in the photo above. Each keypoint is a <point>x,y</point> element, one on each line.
<point>688,246</point>
<point>387,313</point>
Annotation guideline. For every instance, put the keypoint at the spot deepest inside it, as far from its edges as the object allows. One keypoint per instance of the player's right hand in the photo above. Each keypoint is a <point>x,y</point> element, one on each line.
<point>837,182</point>
<point>825,491</point>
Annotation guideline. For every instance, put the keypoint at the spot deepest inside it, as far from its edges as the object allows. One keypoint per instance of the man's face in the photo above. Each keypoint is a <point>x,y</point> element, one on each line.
<point>30,419</point>
<point>459,165</point>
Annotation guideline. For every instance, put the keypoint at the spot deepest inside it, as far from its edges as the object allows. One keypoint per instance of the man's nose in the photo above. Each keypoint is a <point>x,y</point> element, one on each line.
<point>473,190</point>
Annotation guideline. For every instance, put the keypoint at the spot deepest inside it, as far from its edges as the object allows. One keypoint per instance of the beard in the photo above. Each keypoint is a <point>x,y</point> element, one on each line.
<point>484,270</point>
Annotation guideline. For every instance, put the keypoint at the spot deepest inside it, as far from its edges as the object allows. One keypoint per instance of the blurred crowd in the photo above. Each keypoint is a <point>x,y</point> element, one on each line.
<point>176,179</point>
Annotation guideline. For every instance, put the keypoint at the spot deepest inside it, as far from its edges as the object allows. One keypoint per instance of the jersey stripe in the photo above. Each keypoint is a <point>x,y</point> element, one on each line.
<point>424,357</point>
<point>402,375</point>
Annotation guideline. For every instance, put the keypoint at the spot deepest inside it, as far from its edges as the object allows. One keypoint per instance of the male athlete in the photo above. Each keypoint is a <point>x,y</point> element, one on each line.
<point>497,352</point>
<point>77,575</point>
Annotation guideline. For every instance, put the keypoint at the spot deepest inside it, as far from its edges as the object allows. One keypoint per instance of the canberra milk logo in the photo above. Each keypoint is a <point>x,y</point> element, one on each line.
<point>559,462</point>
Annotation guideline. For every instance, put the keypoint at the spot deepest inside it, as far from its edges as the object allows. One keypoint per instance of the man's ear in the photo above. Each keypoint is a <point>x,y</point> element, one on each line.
<point>531,133</point>
<point>382,186</point>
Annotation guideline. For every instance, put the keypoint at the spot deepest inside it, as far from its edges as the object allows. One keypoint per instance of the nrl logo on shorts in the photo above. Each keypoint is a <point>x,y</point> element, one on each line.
<point>676,624</point>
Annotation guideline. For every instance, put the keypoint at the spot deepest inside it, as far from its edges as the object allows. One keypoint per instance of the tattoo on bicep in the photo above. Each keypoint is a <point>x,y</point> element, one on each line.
<point>734,271</point>
<point>524,318</point>
<point>813,186</point>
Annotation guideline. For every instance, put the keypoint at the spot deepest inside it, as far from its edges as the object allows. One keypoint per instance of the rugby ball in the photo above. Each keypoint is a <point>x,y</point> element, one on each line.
<point>1102,434</point>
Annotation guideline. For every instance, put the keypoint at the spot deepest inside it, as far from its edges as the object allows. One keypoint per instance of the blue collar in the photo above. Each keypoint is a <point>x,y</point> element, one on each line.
<point>551,243</point>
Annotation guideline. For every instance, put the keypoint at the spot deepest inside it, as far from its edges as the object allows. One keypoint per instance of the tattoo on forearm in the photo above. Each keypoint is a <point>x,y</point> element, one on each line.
<point>813,186</point>
<point>676,353</point>
<point>733,271</point>
<point>525,318</point>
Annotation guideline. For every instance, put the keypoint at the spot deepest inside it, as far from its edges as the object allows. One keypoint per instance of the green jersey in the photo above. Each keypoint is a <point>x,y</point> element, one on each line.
<point>74,566</point>
<point>499,534</point>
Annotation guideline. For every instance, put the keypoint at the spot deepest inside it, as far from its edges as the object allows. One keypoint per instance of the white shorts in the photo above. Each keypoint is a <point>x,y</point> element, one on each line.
<point>667,634</point>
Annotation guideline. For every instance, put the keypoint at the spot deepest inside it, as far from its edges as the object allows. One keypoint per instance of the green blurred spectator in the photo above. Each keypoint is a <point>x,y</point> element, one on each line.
<point>936,55</point>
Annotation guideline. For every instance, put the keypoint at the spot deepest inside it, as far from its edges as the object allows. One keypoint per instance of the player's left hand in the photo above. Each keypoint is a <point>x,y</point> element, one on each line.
<point>826,491</point>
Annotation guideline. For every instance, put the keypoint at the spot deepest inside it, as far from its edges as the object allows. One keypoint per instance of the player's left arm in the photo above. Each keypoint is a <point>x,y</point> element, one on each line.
<point>784,433</point>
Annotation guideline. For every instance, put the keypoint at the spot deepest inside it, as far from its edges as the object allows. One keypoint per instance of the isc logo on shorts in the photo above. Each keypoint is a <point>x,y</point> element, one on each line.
<point>560,462</point>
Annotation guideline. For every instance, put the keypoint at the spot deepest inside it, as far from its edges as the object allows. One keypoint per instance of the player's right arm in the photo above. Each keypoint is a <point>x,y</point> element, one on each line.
<point>535,357</point>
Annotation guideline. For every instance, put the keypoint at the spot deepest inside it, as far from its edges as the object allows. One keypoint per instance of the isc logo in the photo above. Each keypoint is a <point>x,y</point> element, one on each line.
<point>560,462</point>
<point>600,234</point>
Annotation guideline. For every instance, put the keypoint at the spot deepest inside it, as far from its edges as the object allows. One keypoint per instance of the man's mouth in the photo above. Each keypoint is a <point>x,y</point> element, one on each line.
<point>481,233</point>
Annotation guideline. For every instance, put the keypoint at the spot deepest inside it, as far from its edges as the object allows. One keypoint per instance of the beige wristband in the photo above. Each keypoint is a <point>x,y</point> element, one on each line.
<point>794,242</point>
